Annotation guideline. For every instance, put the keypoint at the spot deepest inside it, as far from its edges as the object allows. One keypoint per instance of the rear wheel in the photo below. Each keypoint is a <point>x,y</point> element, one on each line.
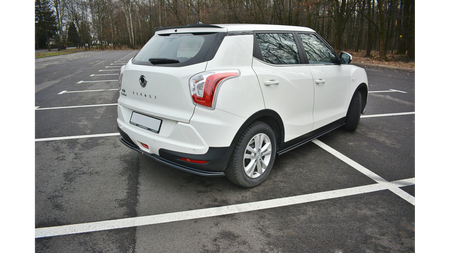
<point>353,113</point>
<point>253,156</point>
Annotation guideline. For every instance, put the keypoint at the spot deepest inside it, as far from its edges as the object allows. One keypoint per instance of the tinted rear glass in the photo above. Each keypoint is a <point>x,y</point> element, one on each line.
<point>278,48</point>
<point>179,49</point>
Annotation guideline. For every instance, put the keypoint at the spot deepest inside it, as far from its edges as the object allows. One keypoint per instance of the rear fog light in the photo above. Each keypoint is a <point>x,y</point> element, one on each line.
<point>144,145</point>
<point>193,161</point>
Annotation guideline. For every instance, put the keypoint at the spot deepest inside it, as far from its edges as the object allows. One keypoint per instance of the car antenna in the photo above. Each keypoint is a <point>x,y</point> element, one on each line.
<point>198,21</point>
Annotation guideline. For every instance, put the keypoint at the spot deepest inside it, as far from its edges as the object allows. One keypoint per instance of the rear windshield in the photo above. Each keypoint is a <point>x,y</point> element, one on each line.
<point>179,49</point>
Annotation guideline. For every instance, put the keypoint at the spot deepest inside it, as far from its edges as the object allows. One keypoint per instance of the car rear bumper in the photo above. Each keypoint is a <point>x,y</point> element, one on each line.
<point>216,158</point>
<point>203,146</point>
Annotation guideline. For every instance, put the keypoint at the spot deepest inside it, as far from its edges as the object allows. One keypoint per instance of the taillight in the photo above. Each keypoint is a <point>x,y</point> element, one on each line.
<point>205,85</point>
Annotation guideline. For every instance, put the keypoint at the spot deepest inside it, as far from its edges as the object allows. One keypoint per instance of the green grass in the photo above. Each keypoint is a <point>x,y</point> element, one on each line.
<point>50,53</point>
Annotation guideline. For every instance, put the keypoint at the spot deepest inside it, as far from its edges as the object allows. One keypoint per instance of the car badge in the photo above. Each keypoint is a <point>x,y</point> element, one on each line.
<point>143,81</point>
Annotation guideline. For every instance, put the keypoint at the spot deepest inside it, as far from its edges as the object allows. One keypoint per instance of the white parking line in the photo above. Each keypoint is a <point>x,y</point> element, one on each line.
<point>101,70</point>
<point>76,137</point>
<point>390,90</point>
<point>366,172</point>
<point>214,211</point>
<point>70,107</point>
<point>387,114</point>
<point>98,81</point>
<point>83,91</point>
<point>103,75</point>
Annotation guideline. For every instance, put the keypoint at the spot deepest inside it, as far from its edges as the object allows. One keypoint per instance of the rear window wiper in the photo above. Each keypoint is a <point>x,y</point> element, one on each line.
<point>163,60</point>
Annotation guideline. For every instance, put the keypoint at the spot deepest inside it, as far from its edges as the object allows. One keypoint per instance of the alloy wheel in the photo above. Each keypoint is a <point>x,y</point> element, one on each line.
<point>258,153</point>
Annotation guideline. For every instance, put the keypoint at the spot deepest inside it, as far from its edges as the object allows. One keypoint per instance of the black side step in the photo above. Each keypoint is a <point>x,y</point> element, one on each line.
<point>297,142</point>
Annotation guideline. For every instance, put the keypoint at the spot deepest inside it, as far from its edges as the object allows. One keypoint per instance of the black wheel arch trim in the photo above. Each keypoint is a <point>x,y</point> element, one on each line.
<point>364,90</point>
<point>267,116</point>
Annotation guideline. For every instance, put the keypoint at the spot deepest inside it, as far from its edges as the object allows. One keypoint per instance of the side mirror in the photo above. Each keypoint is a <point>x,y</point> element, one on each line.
<point>346,58</point>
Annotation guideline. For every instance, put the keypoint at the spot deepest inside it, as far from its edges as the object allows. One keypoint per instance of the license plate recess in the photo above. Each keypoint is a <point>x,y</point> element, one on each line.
<point>145,122</point>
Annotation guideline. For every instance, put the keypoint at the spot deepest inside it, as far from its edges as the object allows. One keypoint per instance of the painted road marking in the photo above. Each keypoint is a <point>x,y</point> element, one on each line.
<point>387,114</point>
<point>75,106</point>
<point>98,81</point>
<point>83,91</point>
<point>103,75</point>
<point>214,211</point>
<point>76,137</point>
<point>390,90</point>
<point>366,172</point>
<point>101,70</point>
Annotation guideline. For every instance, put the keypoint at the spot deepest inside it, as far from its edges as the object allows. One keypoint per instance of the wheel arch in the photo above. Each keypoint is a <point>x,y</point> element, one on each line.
<point>267,116</point>
<point>364,90</point>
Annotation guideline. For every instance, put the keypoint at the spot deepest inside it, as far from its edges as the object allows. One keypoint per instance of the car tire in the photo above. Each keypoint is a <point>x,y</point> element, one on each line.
<point>353,113</point>
<point>253,156</point>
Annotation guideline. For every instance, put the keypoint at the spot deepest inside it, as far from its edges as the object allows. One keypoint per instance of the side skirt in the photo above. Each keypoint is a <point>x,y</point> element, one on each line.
<point>299,141</point>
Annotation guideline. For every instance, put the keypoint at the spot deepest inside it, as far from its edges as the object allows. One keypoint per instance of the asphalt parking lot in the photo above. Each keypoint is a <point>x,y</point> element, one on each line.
<point>343,192</point>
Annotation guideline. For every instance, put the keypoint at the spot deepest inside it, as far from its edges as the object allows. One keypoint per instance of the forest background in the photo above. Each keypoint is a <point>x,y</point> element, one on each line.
<point>384,26</point>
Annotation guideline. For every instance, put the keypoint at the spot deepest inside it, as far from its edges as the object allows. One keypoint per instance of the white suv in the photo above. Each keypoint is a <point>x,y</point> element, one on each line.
<point>218,100</point>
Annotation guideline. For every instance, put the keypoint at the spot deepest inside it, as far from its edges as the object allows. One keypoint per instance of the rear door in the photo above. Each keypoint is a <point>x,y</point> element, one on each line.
<point>331,80</point>
<point>286,84</point>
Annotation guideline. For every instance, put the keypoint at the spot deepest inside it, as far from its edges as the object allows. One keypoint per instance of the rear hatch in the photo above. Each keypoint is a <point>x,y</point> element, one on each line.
<point>156,81</point>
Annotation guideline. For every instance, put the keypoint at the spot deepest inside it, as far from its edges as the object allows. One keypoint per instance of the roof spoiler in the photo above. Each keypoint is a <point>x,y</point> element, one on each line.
<point>187,26</point>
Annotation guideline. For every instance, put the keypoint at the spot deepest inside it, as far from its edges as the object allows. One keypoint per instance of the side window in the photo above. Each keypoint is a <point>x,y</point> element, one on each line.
<point>278,48</point>
<point>316,50</point>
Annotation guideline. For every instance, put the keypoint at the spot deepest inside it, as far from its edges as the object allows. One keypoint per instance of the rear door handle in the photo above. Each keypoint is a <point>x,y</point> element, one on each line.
<point>320,81</point>
<point>271,82</point>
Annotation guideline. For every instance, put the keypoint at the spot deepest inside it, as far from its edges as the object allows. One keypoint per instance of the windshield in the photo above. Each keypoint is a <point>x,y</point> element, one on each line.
<point>177,49</point>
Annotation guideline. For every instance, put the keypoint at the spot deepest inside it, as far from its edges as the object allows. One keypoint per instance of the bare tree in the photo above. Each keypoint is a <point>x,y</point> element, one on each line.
<point>60,20</point>
<point>346,24</point>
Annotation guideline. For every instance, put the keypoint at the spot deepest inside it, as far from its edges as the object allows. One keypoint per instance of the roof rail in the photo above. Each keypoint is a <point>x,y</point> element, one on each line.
<point>187,26</point>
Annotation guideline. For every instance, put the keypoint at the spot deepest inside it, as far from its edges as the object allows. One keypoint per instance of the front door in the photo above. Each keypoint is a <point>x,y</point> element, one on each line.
<point>331,81</point>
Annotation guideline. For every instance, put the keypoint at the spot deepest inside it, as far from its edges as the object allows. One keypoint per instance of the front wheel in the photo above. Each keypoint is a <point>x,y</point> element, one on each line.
<point>253,156</point>
<point>353,113</point>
